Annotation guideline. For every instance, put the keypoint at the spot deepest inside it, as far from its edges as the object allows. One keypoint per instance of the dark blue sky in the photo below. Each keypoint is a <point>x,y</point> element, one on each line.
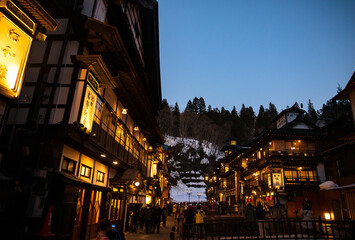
<point>255,51</point>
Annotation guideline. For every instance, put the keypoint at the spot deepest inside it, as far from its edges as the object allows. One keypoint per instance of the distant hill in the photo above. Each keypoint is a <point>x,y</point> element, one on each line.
<point>191,161</point>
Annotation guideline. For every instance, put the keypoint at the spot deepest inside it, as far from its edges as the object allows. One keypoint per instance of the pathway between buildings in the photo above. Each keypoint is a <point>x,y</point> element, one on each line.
<point>163,235</point>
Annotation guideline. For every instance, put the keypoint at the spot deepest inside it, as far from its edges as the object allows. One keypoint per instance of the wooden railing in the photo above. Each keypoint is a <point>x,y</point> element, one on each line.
<point>270,229</point>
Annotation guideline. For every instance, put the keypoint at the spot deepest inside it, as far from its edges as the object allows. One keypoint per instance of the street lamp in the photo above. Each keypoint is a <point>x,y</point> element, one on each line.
<point>189,193</point>
<point>199,195</point>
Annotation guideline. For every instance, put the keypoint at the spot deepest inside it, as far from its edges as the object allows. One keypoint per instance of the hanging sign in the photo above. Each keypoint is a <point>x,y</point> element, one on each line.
<point>87,114</point>
<point>277,180</point>
<point>14,49</point>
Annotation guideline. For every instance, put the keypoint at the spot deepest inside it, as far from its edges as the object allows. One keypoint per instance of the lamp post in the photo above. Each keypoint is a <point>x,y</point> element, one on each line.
<point>199,196</point>
<point>189,193</point>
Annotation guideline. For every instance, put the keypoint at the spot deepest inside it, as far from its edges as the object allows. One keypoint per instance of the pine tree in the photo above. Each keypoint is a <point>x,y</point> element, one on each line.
<point>202,106</point>
<point>165,118</point>
<point>209,109</point>
<point>311,114</point>
<point>188,106</point>
<point>260,121</point>
<point>176,120</point>
<point>195,105</point>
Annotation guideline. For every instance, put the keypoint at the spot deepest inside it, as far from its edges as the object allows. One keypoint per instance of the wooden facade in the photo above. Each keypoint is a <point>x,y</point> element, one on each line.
<point>85,118</point>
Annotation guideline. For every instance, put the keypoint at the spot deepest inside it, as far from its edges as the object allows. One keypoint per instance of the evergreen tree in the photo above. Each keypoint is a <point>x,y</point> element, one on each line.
<point>165,118</point>
<point>188,106</point>
<point>202,106</point>
<point>195,105</point>
<point>260,121</point>
<point>176,121</point>
<point>209,109</point>
<point>311,114</point>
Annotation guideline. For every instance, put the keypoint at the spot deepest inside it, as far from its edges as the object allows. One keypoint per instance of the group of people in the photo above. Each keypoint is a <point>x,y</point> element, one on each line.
<point>148,217</point>
<point>106,232</point>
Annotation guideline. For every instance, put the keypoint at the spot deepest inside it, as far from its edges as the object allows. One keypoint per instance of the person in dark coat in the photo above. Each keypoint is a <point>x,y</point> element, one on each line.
<point>250,217</point>
<point>157,213</point>
<point>164,215</point>
<point>141,217</point>
<point>148,219</point>
<point>189,216</point>
<point>134,219</point>
<point>260,213</point>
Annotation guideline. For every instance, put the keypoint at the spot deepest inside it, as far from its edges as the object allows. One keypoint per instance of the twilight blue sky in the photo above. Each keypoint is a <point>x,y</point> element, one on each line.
<point>254,52</point>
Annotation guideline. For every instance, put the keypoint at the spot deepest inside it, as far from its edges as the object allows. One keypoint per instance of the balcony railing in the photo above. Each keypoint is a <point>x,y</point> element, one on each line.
<point>106,139</point>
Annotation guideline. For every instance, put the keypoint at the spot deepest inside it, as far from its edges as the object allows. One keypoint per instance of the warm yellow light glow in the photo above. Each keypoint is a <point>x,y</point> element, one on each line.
<point>115,189</point>
<point>272,193</point>
<point>124,111</point>
<point>300,168</point>
<point>299,141</point>
<point>136,128</point>
<point>103,155</point>
<point>14,49</point>
<point>87,113</point>
<point>115,162</point>
<point>136,184</point>
<point>206,178</point>
<point>148,199</point>
<point>150,148</point>
<point>144,139</point>
<point>327,216</point>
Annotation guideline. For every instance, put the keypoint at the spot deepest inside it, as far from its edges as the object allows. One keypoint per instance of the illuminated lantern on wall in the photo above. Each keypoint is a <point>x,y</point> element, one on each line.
<point>15,46</point>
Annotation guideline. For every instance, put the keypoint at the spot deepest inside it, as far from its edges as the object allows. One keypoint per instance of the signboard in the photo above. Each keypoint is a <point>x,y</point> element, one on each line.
<point>277,179</point>
<point>14,49</point>
<point>87,113</point>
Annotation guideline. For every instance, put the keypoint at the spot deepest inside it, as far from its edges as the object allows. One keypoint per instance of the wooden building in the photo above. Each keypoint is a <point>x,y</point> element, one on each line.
<point>82,142</point>
<point>283,163</point>
<point>338,152</point>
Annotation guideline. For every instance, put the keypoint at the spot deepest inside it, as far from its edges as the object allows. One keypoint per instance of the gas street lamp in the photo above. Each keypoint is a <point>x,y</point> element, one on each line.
<point>199,196</point>
<point>189,193</point>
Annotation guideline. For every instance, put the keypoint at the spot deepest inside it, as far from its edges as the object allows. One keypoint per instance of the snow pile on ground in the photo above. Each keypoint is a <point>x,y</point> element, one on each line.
<point>197,184</point>
<point>208,148</point>
<point>178,193</point>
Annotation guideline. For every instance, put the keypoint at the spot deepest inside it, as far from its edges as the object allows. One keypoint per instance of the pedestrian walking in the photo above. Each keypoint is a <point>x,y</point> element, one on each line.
<point>141,218</point>
<point>157,214</point>
<point>189,216</point>
<point>134,219</point>
<point>175,210</point>
<point>250,217</point>
<point>148,219</point>
<point>306,214</point>
<point>200,215</point>
<point>164,215</point>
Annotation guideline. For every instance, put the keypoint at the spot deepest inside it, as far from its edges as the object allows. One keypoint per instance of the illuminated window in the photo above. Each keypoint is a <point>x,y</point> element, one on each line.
<point>97,205</point>
<point>85,171</point>
<point>100,176</point>
<point>68,165</point>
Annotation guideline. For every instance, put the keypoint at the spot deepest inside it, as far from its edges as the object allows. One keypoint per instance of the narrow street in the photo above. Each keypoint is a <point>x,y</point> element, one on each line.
<point>163,235</point>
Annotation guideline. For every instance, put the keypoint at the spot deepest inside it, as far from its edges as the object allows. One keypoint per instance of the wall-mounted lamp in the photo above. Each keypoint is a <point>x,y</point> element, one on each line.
<point>136,184</point>
<point>115,162</point>
<point>124,111</point>
<point>136,128</point>
<point>103,155</point>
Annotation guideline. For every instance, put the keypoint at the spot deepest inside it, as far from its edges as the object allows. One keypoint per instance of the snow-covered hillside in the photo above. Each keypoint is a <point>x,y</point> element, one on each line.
<point>190,162</point>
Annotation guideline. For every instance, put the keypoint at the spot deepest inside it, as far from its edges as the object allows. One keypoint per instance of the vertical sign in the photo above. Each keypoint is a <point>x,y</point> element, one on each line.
<point>14,49</point>
<point>87,114</point>
<point>277,179</point>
